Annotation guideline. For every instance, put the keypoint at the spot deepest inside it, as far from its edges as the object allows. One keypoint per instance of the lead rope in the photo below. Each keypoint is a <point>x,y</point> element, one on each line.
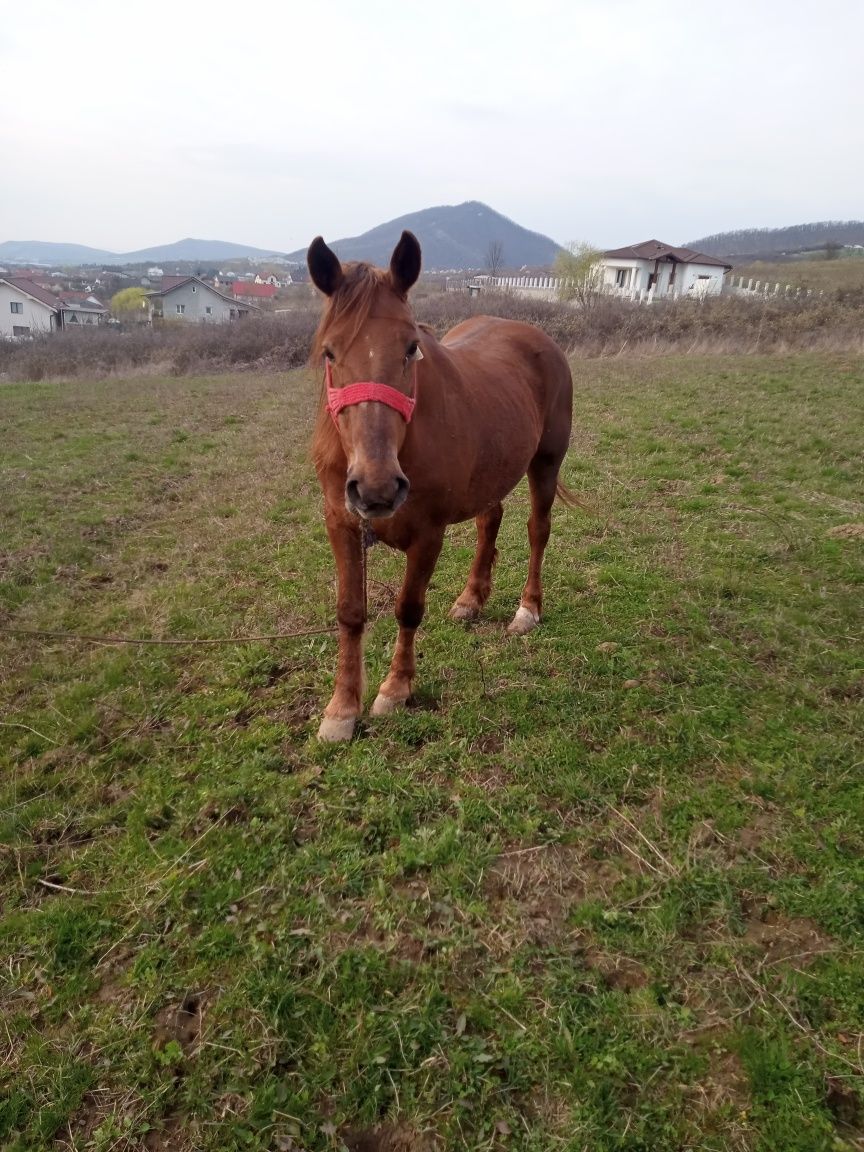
<point>367,539</point>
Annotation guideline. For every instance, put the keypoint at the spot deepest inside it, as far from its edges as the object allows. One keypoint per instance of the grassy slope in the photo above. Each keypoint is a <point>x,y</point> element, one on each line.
<point>820,275</point>
<point>598,889</point>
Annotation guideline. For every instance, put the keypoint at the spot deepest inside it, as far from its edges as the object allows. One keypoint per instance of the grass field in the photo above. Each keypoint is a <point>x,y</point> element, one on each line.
<point>831,276</point>
<point>598,889</point>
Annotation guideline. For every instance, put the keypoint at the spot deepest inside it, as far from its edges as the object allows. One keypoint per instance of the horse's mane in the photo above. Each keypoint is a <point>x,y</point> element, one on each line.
<point>345,313</point>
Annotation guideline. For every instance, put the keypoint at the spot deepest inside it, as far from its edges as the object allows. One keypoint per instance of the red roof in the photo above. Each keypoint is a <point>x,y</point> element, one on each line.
<point>657,250</point>
<point>244,288</point>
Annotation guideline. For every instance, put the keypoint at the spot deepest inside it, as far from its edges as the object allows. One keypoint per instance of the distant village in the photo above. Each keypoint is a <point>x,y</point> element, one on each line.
<point>36,300</point>
<point>39,300</point>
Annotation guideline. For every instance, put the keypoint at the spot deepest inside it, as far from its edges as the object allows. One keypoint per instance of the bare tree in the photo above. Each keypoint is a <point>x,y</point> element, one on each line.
<point>494,257</point>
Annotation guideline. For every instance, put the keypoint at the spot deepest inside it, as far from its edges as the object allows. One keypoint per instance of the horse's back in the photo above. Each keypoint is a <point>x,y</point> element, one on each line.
<point>499,355</point>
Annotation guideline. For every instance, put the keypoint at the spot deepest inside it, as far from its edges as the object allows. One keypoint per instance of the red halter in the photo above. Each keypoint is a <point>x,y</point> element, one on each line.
<point>359,393</point>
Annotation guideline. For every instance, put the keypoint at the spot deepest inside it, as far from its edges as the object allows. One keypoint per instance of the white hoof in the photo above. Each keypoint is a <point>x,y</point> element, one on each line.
<point>523,622</point>
<point>333,730</point>
<point>465,612</point>
<point>385,705</point>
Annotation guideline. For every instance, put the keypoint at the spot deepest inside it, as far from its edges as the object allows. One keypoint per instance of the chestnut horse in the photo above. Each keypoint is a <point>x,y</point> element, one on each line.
<point>414,434</point>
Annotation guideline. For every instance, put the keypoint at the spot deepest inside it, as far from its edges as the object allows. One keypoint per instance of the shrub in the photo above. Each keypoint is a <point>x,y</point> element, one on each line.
<point>610,327</point>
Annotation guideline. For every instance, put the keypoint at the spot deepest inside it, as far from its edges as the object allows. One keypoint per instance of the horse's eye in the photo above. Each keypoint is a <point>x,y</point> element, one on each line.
<point>328,355</point>
<point>413,349</point>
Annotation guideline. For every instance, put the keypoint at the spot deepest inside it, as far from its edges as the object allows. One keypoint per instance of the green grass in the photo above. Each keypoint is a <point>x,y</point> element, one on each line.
<point>602,888</point>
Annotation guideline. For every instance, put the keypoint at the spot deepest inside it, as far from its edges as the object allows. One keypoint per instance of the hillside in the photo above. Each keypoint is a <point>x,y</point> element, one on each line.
<point>45,253</point>
<point>452,237</point>
<point>777,241</point>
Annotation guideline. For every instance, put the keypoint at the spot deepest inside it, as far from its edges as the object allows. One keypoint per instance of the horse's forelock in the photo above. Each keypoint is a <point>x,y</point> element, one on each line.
<point>345,313</point>
<point>348,309</point>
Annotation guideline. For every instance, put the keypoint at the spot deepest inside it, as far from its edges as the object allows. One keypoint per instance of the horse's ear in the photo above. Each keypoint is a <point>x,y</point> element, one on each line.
<point>324,267</point>
<point>405,263</point>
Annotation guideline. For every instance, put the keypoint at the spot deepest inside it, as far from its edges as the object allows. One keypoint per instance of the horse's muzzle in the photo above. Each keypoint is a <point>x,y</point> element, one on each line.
<point>376,501</point>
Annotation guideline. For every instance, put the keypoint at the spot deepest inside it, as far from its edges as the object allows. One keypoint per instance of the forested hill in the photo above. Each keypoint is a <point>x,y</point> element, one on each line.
<point>774,241</point>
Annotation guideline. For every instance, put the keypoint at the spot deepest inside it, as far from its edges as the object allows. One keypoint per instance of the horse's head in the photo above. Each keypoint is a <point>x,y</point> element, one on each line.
<point>369,342</point>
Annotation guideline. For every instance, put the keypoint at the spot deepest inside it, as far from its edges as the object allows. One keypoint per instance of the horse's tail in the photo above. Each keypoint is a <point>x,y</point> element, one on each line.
<point>569,498</point>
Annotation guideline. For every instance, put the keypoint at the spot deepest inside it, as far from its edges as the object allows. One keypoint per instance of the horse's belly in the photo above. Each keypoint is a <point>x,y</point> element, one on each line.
<point>490,483</point>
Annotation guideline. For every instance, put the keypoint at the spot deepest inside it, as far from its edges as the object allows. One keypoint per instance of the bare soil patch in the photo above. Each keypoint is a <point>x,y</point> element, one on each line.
<point>724,1084</point>
<point>180,1023</point>
<point>535,888</point>
<point>782,940</point>
<point>617,971</point>
<point>853,531</point>
<point>387,1138</point>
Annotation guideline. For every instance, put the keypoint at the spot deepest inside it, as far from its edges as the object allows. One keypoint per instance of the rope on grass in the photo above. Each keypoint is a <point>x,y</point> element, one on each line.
<point>79,638</point>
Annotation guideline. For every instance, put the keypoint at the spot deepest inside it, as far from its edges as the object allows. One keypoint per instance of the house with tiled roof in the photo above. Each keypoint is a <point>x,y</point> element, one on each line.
<point>190,298</point>
<point>29,309</point>
<point>245,290</point>
<point>662,270</point>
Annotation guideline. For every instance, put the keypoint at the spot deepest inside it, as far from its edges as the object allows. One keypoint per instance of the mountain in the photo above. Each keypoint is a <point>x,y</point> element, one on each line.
<point>452,237</point>
<point>41,252</point>
<point>777,241</point>
<point>197,250</point>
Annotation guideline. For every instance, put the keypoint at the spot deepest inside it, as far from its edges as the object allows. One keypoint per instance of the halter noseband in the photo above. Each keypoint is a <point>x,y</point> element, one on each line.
<point>359,393</point>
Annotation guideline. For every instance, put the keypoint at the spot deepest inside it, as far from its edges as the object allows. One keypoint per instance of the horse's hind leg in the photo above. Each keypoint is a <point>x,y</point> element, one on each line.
<point>476,591</point>
<point>542,481</point>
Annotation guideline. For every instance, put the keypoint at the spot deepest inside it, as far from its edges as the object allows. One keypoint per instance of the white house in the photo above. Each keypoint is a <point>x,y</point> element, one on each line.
<point>667,271</point>
<point>191,299</point>
<point>28,309</point>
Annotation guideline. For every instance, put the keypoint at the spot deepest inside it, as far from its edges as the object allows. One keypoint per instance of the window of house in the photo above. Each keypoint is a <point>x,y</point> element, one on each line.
<point>73,319</point>
<point>621,277</point>
<point>181,308</point>
<point>194,287</point>
<point>17,307</point>
<point>208,310</point>
<point>18,330</point>
<point>703,277</point>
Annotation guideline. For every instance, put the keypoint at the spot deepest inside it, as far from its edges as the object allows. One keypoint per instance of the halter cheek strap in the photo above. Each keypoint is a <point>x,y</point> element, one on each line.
<point>359,393</point>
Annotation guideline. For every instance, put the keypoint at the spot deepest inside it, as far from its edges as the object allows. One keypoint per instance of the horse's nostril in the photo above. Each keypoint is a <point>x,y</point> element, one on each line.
<point>402,486</point>
<point>352,491</point>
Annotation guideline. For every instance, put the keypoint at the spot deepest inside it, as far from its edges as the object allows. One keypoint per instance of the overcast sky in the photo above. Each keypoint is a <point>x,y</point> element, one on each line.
<point>125,124</point>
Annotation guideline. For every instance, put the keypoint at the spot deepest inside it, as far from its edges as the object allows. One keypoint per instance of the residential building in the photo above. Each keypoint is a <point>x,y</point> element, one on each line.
<point>191,299</point>
<point>661,269</point>
<point>28,309</point>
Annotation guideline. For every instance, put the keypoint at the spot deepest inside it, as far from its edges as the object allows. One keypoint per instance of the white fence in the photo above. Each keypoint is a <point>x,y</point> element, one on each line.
<point>752,287</point>
<point>536,287</point>
<point>549,288</point>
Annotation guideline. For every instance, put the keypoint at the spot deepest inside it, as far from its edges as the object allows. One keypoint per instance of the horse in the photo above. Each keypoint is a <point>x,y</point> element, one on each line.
<point>414,434</point>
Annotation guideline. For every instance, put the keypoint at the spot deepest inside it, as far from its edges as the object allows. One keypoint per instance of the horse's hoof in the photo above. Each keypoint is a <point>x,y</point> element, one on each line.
<point>464,612</point>
<point>333,730</point>
<point>523,622</point>
<point>385,705</point>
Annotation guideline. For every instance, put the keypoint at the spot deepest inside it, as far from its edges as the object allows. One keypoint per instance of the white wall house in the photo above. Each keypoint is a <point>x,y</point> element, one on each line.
<point>661,269</point>
<point>192,299</point>
<point>22,313</point>
<point>28,309</point>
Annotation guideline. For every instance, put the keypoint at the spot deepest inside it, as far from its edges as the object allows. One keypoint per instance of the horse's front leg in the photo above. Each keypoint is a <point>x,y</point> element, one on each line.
<point>422,556</point>
<point>341,713</point>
